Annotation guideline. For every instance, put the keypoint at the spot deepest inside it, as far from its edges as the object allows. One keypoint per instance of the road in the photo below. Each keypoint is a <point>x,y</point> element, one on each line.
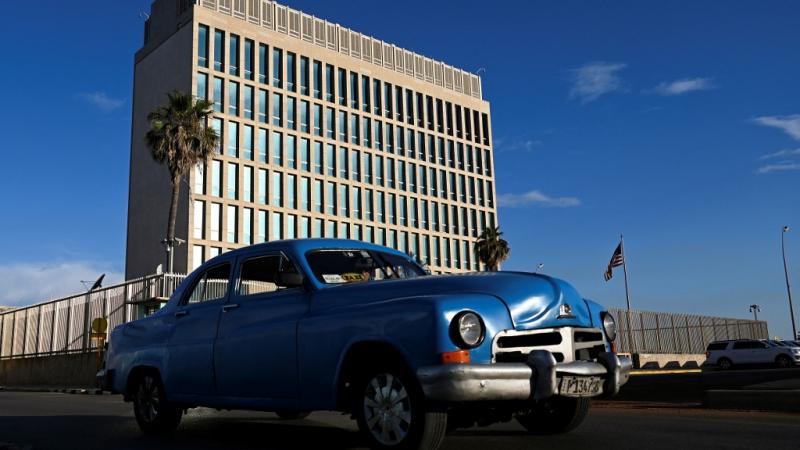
<point>86,422</point>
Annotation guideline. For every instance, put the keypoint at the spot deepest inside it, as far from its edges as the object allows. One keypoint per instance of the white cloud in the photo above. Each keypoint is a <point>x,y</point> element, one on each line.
<point>536,198</point>
<point>592,80</point>
<point>782,166</point>
<point>683,86</point>
<point>523,145</point>
<point>101,100</point>
<point>782,153</point>
<point>29,283</point>
<point>788,124</point>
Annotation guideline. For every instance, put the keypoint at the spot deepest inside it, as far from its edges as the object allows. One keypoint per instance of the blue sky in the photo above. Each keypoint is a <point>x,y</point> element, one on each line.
<point>676,123</point>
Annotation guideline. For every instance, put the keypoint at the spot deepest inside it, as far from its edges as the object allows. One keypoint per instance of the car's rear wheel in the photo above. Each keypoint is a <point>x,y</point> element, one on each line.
<point>292,415</point>
<point>154,414</point>
<point>783,361</point>
<point>724,363</point>
<point>555,415</point>
<point>392,413</point>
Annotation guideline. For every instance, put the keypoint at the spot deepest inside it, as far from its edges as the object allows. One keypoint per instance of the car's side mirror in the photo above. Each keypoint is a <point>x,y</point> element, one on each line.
<point>290,279</point>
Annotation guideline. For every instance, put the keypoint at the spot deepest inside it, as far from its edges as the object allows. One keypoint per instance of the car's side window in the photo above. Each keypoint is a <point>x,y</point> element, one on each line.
<point>212,285</point>
<point>260,275</point>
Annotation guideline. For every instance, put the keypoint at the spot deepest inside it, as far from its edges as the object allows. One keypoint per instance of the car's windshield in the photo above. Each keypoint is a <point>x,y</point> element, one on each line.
<point>351,266</point>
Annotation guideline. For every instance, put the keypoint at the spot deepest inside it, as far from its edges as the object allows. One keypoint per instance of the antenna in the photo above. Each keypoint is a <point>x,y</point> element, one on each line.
<point>478,72</point>
<point>97,284</point>
<point>144,16</point>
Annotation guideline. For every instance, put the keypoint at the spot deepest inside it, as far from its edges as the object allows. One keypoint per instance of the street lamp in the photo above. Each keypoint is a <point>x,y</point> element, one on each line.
<point>755,309</point>
<point>788,286</point>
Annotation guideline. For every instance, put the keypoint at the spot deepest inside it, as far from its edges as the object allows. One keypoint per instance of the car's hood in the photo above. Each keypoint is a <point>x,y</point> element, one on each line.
<point>533,301</point>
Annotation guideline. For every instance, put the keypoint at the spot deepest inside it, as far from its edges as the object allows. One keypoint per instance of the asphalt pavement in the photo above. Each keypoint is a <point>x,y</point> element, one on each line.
<point>47,420</point>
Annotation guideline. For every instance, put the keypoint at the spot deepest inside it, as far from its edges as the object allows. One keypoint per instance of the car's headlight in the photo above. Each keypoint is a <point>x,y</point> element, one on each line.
<point>609,326</point>
<point>467,330</point>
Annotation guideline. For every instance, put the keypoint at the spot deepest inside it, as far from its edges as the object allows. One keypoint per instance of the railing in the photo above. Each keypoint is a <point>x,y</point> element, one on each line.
<point>653,332</point>
<point>64,325</point>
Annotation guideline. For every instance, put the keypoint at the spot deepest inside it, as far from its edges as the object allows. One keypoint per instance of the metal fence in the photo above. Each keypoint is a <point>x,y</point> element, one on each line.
<point>64,325</point>
<point>653,332</point>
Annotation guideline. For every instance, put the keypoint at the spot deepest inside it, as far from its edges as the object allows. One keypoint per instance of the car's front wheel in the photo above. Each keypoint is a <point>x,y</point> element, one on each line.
<point>783,361</point>
<point>153,413</point>
<point>555,415</point>
<point>725,363</point>
<point>392,413</point>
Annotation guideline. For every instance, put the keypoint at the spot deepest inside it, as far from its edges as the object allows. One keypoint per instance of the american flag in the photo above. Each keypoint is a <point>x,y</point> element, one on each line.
<point>616,261</point>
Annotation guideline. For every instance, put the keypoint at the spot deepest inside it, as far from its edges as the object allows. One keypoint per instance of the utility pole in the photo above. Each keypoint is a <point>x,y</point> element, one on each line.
<point>755,309</point>
<point>788,286</point>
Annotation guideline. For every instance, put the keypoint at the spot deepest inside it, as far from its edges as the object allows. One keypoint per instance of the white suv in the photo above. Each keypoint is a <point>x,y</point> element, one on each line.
<point>726,354</point>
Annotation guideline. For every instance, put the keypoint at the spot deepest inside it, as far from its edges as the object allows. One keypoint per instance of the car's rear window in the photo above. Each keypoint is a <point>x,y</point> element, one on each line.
<point>717,346</point>
<point>337,266</point>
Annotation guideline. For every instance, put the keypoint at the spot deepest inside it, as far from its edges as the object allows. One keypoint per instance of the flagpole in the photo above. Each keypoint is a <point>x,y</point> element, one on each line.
<point>627,293</point>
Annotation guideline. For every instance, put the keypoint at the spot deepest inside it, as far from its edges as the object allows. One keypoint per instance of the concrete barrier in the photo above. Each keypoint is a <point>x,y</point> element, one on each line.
<point>668,360</point>
<point>76,370</point>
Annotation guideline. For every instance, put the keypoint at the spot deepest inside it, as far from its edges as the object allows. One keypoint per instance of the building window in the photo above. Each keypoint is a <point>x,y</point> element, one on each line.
<point>219,50</point>
<point>317,231</point>
<point>304,107</point>
<point>400,135</point>
<point>390,209</point>
<point>262,64</point>
<point>304,156</point>
<point>248,102</point>
<point>277,189</point>
<point>342,87</point>
<point>387,101</point>
<point>247,184</point>
<point>330,128</point>
<point>354,134</point>
<point>233,56</point>
<point>291,151</point>
<point>248,59</point>
<point>390,172</point>
<point>248,142</point>
<point>232,224</point>
<point>330,160</point>
<point>291,71</point>
<point>367,167</point>
<point>262,145</point>
<point>368,215</point>
<point>376,97</point>
<point>365,90</point>
<point>401,204</point>
<point>379,207</point>
<point>277,110</point>
<point>355,165</point>
<point>379,170</point>
<point>367,130</point>
<point>401,174</point>
<point>262,106</point>
<point>389,137</point>
<point>216,178</point>
<point>303,75</point>
<point>329,77</point>
<point>317,80</point>
<point>409,107</point>
<point>262,186</point>
<point>202,86</point>
<point>199,219</point>
<point>305,200</point>
<point>398,101</point>
<point>233,179</point>
<point>353,90</point>
<point>378,135</point>
<point>291,194</point>
<point>277,148</point>
<point>277,68</point>
<point>233,139</point>
<point>330,198</point>
<point>202,46</point>
<point>200,178</point>
<point>343,163</point>
<point>262,227</point>
<point>277,226</point>
<point>233,98</point>
<point>318,196</point>
<point>318,157</point>
<point>291,102</point>
<point>304,227</point>
<point>247,226</point>
<point>216,222</point>
<point>218,94</point>
<point>356,202</point>
<point>342,126</point>
<point>197,256</point>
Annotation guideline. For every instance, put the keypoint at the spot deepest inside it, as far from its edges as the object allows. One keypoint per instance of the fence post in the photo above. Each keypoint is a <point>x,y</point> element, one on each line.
<point>69,324</point>
<point>125,293</point>
<point>13,330</point>
<point>53,329</point>
<point>641,326</point>
<point>25,333</point>
<point>38,330</point>
<point>688,337</point>
<point>86,312</point>
<point>674,334</point>
<point>2,325</point>
<point>658,335</point>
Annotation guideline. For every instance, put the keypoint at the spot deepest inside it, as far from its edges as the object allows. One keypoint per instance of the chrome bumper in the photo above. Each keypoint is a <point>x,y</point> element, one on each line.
<point>536,379</point>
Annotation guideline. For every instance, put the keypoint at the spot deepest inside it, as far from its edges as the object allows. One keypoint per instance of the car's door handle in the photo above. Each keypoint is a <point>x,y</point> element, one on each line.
<point>227,308</point>
<point>181,313</point>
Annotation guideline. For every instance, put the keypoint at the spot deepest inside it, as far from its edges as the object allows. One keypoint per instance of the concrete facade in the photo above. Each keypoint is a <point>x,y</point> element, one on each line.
<point>435,152</point>
<point>76,370</point>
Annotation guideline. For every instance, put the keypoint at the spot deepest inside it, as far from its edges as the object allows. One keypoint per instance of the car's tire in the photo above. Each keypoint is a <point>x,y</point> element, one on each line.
<point>783,361</point>
<point>724,364</point>
<point>555,415</point>
<point>286,414</point>
<point>392,413</point>
<point>154,414</point>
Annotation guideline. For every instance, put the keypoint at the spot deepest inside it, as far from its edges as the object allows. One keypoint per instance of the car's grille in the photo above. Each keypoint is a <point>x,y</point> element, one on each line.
<point>566,344</point>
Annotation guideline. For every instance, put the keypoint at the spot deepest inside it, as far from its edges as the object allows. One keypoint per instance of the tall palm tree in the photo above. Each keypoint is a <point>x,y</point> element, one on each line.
<point>180,138</point>
<point>491,248</point>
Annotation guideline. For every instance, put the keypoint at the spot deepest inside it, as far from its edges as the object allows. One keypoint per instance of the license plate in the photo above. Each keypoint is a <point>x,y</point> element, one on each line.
<point>580,386</point>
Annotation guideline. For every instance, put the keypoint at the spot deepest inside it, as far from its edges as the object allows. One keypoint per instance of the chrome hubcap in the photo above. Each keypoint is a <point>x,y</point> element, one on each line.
<point>147,399</point>
<point>387,409</point>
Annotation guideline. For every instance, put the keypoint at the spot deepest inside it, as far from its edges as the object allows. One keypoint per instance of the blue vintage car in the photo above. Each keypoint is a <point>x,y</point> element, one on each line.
<point>320,324</point>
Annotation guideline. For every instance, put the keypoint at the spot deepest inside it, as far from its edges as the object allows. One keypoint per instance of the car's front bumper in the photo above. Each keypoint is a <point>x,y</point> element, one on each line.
<point>539,378</point>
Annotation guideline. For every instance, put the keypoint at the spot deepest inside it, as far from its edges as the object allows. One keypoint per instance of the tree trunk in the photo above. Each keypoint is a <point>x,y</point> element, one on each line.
<point>173,215</point>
